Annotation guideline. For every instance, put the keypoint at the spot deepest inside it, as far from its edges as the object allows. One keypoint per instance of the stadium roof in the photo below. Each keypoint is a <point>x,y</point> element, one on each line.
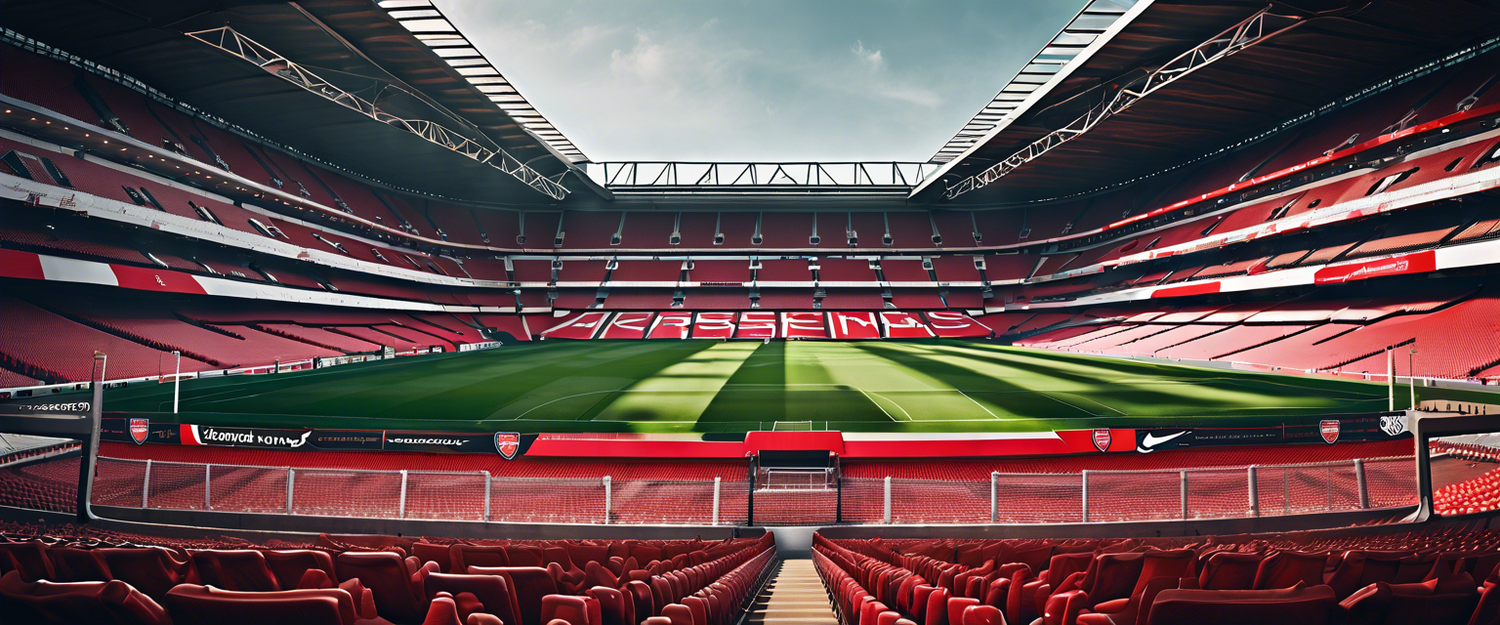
<point>1229,69</point>
<point>387,59</point>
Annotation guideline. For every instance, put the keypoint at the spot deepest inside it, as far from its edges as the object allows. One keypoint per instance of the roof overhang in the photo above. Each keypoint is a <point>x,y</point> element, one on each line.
<point>1341,48</point>
<point>354,44</point>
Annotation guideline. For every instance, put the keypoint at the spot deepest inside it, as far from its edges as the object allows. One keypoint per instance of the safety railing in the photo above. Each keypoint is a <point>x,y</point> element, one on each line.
<point>1086,497</point>
<point>1150,495</point>
<point>417,495</point>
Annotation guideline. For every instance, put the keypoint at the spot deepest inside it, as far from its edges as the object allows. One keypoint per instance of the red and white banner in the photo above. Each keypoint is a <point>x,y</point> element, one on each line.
<point>671,325</point>
<point>1418,262</point>
<point>714,325</point>
<point>954,324</point>
<point>757,325</point>
<point>904,325</point>
<point>854,325</point>
<point>803,325</point>
<point>628,325</point>
<point>581,326</point>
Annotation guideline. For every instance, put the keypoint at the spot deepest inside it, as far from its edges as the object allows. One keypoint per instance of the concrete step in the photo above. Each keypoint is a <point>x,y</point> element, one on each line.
<point>795,596</point>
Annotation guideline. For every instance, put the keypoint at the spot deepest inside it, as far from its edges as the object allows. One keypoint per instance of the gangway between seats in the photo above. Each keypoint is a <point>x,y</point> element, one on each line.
<point>794,596</point>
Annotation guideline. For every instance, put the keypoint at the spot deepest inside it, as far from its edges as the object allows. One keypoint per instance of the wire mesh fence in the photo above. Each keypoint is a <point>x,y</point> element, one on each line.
<point>1148,495</point>
<point>1087,497</point>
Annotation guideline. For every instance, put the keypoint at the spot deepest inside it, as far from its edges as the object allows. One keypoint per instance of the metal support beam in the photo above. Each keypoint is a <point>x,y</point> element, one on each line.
<point>717,483</point>
<point>759,177</point>
<point>1085,495</point>
<point>232,42</point>
<point>887,500</point>
<point>146,487</point>
<point>401,507</point>
<point>1253,488</point>
<point>994,496</point>
<point>1184,488</point>
<point>1359,479</point>
<point>1253,30</point>
<point>607,501</point>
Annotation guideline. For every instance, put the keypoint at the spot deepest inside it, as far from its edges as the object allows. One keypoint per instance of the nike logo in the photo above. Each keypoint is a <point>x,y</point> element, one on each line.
<point>1150,441</point>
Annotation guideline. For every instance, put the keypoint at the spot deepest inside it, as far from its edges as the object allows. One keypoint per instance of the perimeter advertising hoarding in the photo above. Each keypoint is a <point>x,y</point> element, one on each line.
<point>1331,430</point>
<point>120,429</point>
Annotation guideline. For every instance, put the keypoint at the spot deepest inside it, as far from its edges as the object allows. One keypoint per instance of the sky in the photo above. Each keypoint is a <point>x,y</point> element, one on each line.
<point>765,80</point>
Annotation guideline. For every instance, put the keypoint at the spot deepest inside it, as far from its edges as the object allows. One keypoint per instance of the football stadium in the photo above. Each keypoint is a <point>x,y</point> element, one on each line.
<point>449,312</point>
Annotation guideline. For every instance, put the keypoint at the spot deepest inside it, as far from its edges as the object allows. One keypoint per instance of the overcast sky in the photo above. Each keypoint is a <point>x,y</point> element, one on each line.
<point>762,80</point>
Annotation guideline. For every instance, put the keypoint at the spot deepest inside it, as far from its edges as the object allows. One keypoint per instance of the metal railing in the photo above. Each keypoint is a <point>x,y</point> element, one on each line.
<point>1149,495</point>
<point>418,495</point>
<point>1087,497</point>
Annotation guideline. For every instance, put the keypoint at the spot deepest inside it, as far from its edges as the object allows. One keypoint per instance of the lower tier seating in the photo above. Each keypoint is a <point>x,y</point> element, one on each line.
<point>1438,574</point>
<point>69,574</point>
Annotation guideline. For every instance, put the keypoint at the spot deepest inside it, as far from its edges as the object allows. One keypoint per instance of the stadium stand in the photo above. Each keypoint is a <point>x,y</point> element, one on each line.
<point>1441,574</point>
<point>69,572</point>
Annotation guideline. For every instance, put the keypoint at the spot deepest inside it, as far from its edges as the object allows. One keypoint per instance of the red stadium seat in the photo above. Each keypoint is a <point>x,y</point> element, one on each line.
<point>1448,600</point>
<point>151,571</point>
<point>190,604</point>
<point>1227,570</point>
<point>397,584</point>
<point>1297,605</point>
<point>492,591</point>
<point>529,583</point>
<point>112,602</point>
<point>1285,569</point>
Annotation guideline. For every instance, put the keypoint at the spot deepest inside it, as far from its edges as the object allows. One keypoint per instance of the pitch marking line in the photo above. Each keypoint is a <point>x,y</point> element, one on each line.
<point>1080,409</point>
<point>893,402</point>
<point>1096,403</point>
<point>981,406</point>
<point>553,401</point>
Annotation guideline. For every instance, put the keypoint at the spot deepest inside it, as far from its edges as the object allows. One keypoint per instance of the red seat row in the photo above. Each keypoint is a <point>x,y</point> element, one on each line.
<point>346,580</point>
<point>1430,576</point>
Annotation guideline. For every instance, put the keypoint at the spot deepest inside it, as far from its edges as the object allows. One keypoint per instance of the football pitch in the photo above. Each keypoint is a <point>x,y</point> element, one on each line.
<point>713,386</point>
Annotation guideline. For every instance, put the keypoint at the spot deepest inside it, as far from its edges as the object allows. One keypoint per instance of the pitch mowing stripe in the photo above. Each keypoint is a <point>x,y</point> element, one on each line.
<point>704,372</point>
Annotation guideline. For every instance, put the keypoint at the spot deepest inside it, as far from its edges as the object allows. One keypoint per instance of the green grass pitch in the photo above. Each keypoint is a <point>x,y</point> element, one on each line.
<point>714,386</point>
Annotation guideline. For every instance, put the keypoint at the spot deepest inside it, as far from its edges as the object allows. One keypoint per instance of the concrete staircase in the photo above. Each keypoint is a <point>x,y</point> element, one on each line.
<point>794,596</point>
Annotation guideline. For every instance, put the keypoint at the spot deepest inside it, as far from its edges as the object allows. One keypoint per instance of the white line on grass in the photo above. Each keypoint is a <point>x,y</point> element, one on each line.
<point>981,406</point>
<point>896,403</point>
<point>1072,406</point>
<point>882,408</point>
<point>552,401</point>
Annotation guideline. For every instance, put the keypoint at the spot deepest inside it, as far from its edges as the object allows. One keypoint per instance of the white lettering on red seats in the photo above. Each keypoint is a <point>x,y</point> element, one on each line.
<point>713,325</point>
<point>852,325</point>
<point>627,325</point>
<point>949,323</point>
<point>584,326</point>
<point>671,325</point>
<point>903,325</point>
<point>757,325</point>
<point>803,325</point>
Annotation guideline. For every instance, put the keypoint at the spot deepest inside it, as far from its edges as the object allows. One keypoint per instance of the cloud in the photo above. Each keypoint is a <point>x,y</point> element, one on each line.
<point>671,79</point>
<point>588,35</point>
<point>870,57</point>
<point>647,59</point>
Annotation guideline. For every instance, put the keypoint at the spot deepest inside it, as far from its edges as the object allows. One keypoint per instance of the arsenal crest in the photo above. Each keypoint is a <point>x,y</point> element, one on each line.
<point>1102,439</point>
<point>507,443</point>
<point>139,429</point>
<point>1329,428</point>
